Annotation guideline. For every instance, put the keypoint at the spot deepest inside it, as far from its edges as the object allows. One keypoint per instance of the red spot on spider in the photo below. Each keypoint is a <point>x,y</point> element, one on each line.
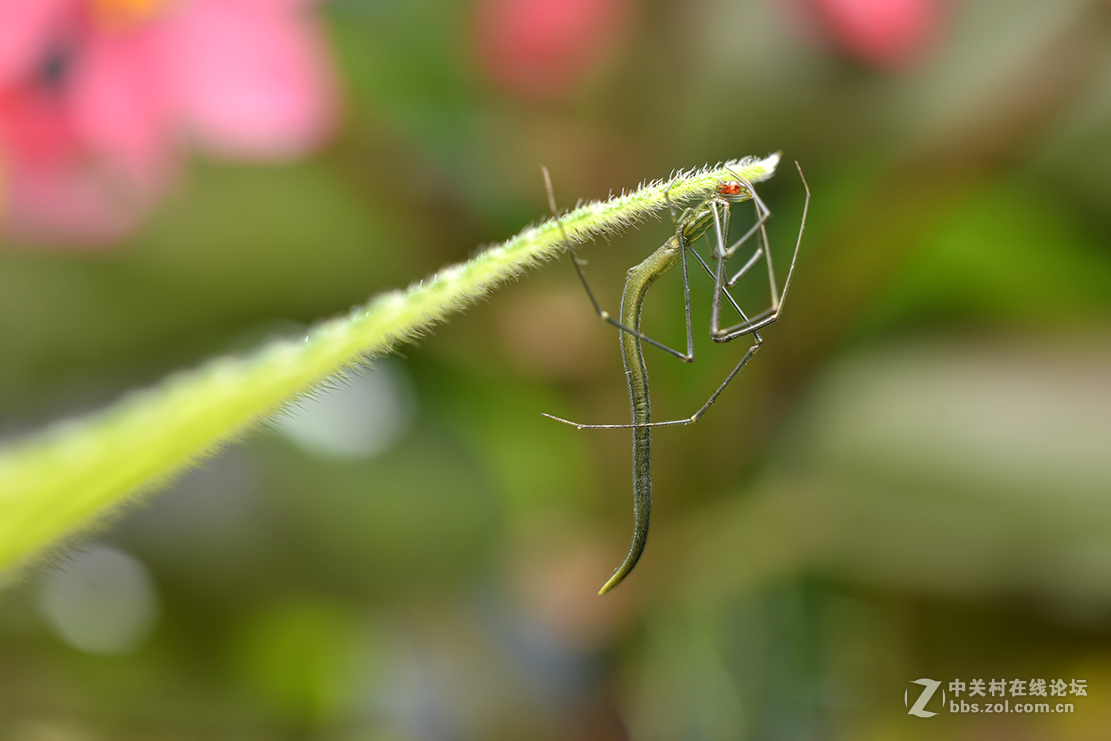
<point>730,188</point>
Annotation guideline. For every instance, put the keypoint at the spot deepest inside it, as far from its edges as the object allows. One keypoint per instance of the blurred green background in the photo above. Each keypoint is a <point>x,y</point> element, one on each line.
<point>911,479</point>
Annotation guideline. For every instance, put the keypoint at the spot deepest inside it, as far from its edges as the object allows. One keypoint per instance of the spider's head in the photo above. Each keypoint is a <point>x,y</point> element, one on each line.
<point>734,191</point>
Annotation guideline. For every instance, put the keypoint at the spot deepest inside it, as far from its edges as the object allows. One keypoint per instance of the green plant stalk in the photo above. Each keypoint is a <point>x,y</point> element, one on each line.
<point>75,474</point>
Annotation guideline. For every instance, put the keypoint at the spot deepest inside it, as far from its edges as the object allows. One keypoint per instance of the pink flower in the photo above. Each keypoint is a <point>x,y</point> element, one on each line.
<point>888,34</point>
<point>543,48</point>
<point>98,97</point>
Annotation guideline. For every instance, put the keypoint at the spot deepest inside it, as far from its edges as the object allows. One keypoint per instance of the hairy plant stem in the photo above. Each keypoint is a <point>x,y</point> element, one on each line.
<point>76,473</point>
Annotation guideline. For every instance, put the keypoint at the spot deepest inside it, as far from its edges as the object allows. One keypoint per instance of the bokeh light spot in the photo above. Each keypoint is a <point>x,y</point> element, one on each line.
<point>365,416</point>
<point>543,48</point>
<point>102,601</point>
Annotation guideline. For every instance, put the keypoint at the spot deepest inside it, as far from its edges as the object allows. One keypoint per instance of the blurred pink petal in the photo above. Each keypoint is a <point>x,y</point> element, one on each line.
<point>25,28</point>
<point>98,96</point>
<point>543,48</point>
<point>290,5</point>
<point>882,33</point>
<point>121,109</point>
<point>35,130</point>
<point>252,77</point>
<point>75,207</point>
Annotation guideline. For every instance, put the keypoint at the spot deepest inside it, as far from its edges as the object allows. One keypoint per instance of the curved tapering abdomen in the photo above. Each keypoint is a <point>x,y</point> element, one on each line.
<point>632,301</point>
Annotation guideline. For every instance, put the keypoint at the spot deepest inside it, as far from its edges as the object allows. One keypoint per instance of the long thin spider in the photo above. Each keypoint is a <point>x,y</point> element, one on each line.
<point>690,226</point>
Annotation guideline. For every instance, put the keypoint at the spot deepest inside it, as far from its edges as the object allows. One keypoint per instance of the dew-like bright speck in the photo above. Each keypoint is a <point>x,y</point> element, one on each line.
<point>452,273</point>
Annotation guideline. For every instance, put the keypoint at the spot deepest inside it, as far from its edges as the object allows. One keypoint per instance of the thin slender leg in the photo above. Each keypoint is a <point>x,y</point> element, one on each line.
<point>688,356</point>
<point>687,420</point>
<point>771,314</point>
<point>756,255</point>
<point>762,214</point>
<point>684,245</point>
<point>747,326</point>
<point>713,397</point>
